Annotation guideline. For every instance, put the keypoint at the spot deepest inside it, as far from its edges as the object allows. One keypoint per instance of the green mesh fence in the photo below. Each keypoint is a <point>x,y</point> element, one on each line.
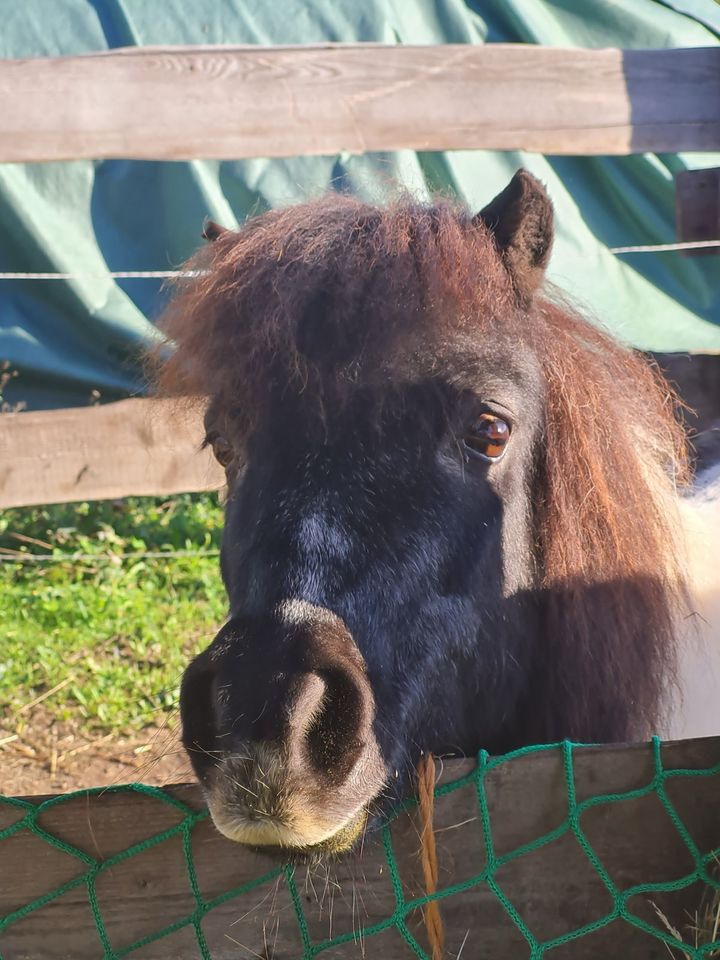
<point>91,868</point>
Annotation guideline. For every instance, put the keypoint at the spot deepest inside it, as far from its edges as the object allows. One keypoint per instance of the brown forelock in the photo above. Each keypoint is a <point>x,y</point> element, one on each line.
<point>338,291</point>
<point>329,295</point>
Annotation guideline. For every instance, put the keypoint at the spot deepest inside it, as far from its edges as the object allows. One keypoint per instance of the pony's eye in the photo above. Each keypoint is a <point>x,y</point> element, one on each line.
<point>488,437</point>
<point>224,453</point>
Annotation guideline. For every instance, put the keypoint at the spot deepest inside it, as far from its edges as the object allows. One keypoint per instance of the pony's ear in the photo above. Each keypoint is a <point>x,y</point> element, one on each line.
<point>211,230</point>
<point>521,221</point>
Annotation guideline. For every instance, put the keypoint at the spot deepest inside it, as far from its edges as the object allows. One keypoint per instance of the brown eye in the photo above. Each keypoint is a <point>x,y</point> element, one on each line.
<point>221,448</point>
<point>488,437</point>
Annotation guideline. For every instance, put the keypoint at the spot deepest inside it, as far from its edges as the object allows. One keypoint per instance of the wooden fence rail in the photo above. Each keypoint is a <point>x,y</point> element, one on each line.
<point>172,103</point>
<point>555,889</point>
<point>146,447</point>
<point>123,449</point>
<point>278,101</point>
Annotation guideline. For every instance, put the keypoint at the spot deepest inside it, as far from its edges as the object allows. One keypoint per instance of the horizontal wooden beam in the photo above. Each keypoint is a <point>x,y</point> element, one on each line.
<point>129,448</point>
<point>555,888</point>
<point>147,447</point>
<point>175,103</point>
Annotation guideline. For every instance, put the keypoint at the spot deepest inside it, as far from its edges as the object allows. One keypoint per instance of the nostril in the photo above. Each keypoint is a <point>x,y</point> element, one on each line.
<point>197,713</point>
<point>328,723</point>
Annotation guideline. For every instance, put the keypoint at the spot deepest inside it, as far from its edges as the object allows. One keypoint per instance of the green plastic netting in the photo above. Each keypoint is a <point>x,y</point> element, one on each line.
<point>91,868</point>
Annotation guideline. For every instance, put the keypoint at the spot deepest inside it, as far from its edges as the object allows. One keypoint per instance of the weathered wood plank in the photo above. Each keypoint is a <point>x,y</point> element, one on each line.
<point>697,209</point>
<point>222,102</point>
<point>151,447</point>
<point>554,889</point>
<point>696,377</point>
<point>129,448</point>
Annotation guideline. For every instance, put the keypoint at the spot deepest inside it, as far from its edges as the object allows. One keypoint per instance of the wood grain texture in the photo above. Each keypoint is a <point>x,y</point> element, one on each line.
<point>174,103</point>
<point>129,448</point>
<point>554,889</point>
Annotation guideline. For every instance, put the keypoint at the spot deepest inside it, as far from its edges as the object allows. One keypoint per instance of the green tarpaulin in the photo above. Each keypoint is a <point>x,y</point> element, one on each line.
<point>70,339</point>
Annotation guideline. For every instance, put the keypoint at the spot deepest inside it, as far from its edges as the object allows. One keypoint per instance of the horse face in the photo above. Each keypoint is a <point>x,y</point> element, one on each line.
<point>369,569</point>
<point>450,521</point>
<point>373,558</point>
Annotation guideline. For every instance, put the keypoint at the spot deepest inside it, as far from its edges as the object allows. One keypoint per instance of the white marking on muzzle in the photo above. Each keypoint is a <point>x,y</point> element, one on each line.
<point>320,541</point>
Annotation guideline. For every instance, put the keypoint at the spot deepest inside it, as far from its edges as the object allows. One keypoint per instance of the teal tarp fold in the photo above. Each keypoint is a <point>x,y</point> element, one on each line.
<point>72,340</point>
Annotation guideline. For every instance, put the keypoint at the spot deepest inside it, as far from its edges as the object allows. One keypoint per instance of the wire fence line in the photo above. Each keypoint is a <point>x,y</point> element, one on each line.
<point>110,275</point>
<point>664,247</point>
<point>19,557</point>
<point>173,274</point>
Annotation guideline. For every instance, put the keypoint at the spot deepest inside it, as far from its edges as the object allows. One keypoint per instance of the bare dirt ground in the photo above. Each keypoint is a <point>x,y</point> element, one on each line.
<point>47,757</point>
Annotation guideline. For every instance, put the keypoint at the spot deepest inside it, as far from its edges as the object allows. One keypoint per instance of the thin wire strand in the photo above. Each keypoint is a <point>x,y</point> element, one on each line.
<point>110,275</point>
<point>663,247</point>
<point>171,274</point>
<point>103,557</point>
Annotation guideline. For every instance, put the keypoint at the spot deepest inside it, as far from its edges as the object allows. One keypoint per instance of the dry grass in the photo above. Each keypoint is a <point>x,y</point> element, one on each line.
<point>703,927</point>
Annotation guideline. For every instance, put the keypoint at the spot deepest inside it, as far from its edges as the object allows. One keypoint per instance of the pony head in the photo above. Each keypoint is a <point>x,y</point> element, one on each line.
<point>449,522</point>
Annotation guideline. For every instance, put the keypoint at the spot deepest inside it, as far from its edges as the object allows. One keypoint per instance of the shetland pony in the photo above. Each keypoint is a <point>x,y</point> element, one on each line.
<point>452,519</point>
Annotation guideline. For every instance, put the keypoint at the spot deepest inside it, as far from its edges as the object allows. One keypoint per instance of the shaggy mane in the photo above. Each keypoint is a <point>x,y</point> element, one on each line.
<point>336,293</point>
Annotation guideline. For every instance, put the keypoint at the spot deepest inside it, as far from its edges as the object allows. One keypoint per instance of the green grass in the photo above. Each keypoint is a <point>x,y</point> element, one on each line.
<point>115,630</point>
